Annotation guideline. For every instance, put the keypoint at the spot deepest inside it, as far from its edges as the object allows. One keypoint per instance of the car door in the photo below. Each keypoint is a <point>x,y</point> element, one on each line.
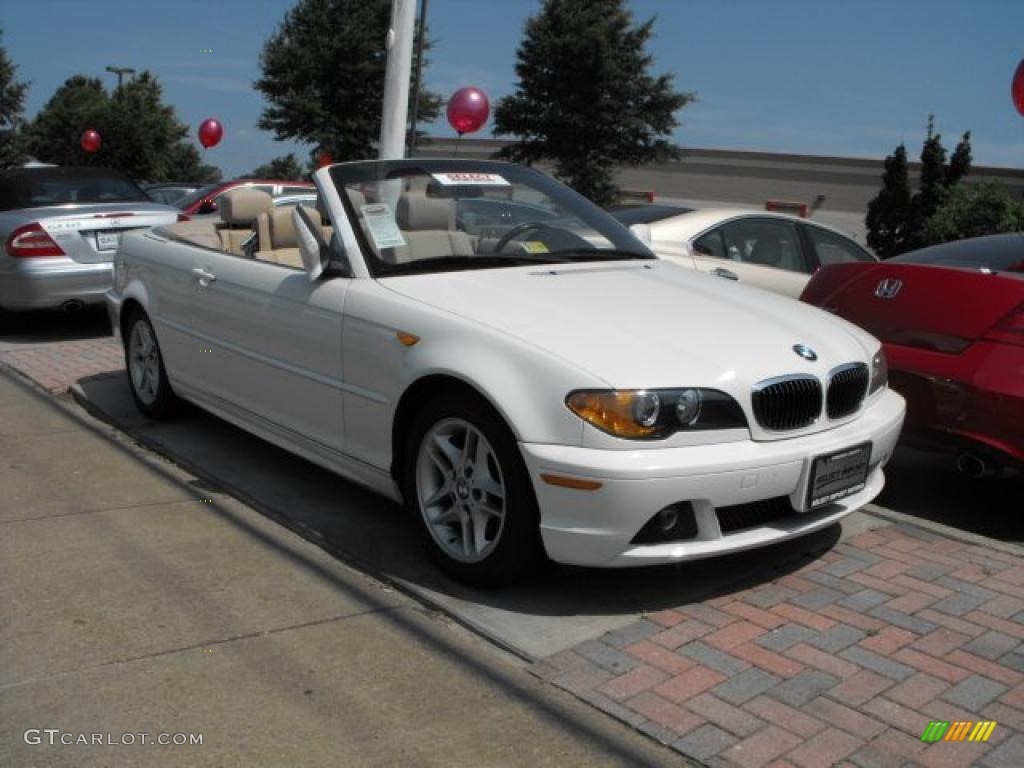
<point>271,345</point>
<point>758,250</point>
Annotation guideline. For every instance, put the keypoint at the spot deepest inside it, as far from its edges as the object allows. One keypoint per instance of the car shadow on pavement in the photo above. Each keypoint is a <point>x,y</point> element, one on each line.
<point>926,485</point>
<point>25,328</point>
<point>560,607</point>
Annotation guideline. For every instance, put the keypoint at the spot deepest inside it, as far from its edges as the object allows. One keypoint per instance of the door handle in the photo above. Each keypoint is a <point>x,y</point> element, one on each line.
<point>205,276</point>
<point>728,274</point>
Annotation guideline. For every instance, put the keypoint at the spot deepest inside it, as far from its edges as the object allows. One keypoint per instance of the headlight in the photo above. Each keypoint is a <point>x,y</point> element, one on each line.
<point>650,414</point>
<point>879,371</point>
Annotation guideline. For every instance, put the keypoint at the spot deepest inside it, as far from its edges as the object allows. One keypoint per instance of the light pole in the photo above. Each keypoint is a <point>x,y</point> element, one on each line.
<point>417,74</point>
<point>120,72</point>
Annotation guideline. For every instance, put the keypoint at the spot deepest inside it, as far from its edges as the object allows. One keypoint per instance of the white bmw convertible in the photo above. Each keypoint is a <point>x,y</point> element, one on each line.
<point>525,387</point>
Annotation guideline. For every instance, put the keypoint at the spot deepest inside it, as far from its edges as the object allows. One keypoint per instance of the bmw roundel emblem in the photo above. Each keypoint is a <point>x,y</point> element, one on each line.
<point>805,352</point>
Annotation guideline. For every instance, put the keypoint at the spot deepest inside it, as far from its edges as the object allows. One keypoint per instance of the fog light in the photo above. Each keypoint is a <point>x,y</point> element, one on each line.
<point>667,519</point>
<point>675,522</point>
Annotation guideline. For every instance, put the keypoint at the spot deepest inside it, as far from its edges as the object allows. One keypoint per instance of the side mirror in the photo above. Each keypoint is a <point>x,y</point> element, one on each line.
<point>642,232</point>
<point>207,206</point>
<point>312,248</point>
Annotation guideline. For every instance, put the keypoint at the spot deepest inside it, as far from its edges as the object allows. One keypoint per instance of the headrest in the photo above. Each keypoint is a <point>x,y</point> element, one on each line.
<point>417,211</point>
<point>282,230</point>
<point>766,251</point>
<point>240,207</point>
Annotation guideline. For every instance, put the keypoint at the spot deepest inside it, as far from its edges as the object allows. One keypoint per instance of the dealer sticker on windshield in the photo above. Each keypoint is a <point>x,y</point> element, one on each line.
<point>477,179</point>
<point>838,475</point>
<point>381,224</point>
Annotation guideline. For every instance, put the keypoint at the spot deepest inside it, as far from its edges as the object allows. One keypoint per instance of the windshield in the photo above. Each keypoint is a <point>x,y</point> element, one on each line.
<point>40,187</point>
<point>416,216</point>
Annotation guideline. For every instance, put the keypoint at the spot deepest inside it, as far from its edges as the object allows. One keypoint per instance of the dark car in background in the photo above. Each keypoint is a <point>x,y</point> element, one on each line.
<point>60,227</point>
<point>951,318</point>
<point>169,192</point>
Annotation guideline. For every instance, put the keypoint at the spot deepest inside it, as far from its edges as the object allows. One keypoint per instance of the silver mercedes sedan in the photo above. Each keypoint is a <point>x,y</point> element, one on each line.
<point>60,228</point>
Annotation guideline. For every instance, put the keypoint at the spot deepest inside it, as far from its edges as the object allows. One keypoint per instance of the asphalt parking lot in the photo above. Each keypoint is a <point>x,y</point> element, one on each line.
<point>840,646</point>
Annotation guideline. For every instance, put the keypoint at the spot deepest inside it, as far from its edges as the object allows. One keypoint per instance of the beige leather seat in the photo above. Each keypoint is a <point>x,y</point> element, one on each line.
<point>428,225</point>
<point>239,210</point>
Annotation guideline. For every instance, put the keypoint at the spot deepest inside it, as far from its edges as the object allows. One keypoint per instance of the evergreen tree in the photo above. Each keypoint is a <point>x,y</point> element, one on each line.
<point>287,168</point>
<point>12,102</point>
<point>323,77</point>
<point>887,212</point>
<point>585,99</point>
<point>896,220</point>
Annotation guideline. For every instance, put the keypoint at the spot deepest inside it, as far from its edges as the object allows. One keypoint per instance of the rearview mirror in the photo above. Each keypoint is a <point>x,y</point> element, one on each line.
<point>312,247</point>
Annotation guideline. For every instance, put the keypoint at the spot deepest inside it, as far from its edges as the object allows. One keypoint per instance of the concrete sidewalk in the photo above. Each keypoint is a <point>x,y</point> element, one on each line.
<point>137,600</point>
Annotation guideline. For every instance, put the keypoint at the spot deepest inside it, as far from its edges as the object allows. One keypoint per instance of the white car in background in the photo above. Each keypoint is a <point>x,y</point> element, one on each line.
<point>769,250</point>
<point>524,389</point>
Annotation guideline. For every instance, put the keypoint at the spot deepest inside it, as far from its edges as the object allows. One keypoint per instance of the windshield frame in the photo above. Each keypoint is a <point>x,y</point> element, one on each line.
<point>368,172</point>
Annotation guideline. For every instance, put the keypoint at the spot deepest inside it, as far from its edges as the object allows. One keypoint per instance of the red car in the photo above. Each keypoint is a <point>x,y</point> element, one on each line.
<point>952,320</point>
<point>204,200</point>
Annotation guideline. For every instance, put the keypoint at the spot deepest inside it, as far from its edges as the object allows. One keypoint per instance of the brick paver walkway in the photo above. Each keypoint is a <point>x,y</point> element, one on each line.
<point>56,365</point>
<point>843,661</point>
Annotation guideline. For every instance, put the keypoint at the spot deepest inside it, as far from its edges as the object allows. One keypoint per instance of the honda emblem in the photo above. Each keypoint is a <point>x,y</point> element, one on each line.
<point>888,288</point>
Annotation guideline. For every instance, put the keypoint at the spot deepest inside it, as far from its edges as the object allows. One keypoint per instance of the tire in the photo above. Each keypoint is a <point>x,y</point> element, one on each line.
<point>466,485</point>
<point>147,376</point>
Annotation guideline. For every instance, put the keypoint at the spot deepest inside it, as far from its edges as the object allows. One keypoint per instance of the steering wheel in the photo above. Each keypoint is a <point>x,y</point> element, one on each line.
<point>518,229</point>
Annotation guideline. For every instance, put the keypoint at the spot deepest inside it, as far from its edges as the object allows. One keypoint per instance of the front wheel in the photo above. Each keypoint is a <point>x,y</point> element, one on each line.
<point>147,376</point>
<point>465,482</point>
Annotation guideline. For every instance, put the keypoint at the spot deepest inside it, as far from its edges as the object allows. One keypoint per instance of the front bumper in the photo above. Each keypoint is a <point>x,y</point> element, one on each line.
<point>114,302</point>
<point>595,528</point>
<point>51,282</point>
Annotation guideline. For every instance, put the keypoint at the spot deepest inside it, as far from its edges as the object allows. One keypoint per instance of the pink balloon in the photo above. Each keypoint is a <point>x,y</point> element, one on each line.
<point>210,132</point>
<point>468,109</point>
<point>1017,89</point>
<point>91,141</point>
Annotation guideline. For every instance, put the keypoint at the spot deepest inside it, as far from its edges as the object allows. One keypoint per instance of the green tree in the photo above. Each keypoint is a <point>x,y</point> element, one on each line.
<point>585,99</point>
<point>12,102</point>
<point>141,136</point>
<point>973,211</point>
<point>323,77</point>
<point>183,163</point>
<point>54,135</point>
<point>887,212</point>
<point>287,167</point>
<point>896,220</point>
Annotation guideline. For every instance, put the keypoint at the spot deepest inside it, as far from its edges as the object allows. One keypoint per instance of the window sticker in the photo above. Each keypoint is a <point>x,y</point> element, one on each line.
<point>470,177</point>
<point>380,221</point>
<point>534,246</point>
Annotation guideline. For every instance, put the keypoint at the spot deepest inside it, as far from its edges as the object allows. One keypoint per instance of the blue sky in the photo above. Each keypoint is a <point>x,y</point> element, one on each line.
<point>835,77</point>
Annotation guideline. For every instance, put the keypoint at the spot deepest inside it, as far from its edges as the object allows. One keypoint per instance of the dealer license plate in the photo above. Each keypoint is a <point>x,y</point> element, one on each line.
<point>838,475</point>
<point>107,241</point>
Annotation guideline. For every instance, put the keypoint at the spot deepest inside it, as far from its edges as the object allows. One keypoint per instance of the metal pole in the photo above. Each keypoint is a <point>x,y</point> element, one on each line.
<point>120,72</point>
<point>396,80</point>
<point>417,73</point>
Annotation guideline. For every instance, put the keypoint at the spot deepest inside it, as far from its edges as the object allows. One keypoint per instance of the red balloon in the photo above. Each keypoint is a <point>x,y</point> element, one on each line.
<point>91,141</point>
<point>1017,90</point>
<point>210,132</point>
<point>468,109</point>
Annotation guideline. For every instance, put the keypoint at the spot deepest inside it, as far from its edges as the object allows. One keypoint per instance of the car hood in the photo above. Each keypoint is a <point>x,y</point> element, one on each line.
<point>647,324</point>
